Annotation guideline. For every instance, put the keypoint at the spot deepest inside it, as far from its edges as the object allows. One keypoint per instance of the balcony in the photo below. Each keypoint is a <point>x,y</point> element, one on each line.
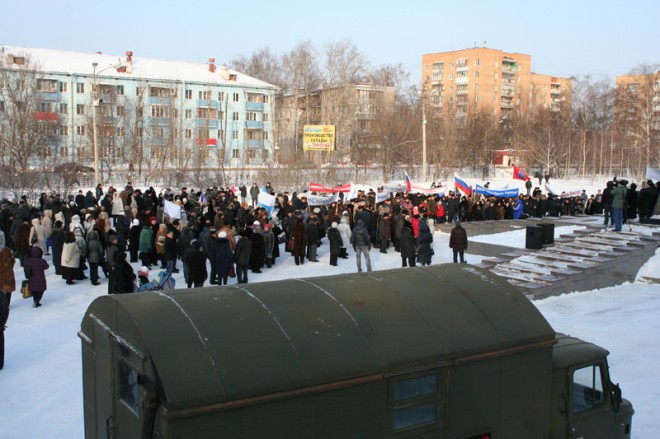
<point>461,92</point>
<point>210,103</point>
<point>254,106</point>
<point>254,143</point>
<point>159,101</point>
<point>254,125</point>
<point>42,116</point>
<point>209,142</point>
<point>206,123</point>
<point>462,80</point>
<point>506,104</point>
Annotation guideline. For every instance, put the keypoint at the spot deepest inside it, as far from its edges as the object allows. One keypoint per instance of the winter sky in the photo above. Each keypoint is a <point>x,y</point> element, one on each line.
<point>565,38</point>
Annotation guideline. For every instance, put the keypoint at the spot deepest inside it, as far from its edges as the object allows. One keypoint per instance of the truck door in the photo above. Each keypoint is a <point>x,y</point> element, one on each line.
<point>117,366</point>
<point>591,414</point>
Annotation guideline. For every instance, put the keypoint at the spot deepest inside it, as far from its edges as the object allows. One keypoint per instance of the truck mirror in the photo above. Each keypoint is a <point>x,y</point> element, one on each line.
<point>615,393</point>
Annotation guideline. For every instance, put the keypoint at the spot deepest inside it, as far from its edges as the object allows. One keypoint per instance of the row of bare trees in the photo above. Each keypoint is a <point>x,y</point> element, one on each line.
<point>606,130</point>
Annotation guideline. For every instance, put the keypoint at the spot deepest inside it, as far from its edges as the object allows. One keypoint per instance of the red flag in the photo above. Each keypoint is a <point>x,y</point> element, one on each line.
<point>519,174</point>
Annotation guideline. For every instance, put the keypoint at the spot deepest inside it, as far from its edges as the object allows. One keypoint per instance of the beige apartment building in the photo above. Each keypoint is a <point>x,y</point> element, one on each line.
<point>465,81</point>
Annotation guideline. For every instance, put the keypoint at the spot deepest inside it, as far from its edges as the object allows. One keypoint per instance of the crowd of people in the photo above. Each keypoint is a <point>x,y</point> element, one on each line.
<point>223,234</point>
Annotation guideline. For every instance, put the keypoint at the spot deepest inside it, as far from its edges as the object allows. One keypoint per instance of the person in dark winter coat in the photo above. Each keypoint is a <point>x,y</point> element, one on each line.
<point>424,243</point>
<point>35,268</point>
<point>299,237</point>
<point>134,239</point>
<point>361,241</point>
<point>7,278</point>
<point>258,254</point>
<point>224,258</point>
<point>269,244</point>
<point>407,244</point>
<point>336,243</point>
<point>313,239</point>
<point>194,262</point>
<point>123,273</point>
<point>170,252</point>
<point>22,241</point>
<point>385,231</point>
<point>94,256</point>
<point>458,242</point>
<point>242,256</point>
<point>58,243</point>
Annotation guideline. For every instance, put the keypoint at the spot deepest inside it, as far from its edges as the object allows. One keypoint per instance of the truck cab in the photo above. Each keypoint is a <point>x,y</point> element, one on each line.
<point>585,403</point>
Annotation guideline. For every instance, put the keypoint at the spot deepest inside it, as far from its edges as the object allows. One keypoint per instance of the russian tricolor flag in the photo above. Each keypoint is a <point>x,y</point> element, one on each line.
<point>462,186</point>
<point>408,183</point>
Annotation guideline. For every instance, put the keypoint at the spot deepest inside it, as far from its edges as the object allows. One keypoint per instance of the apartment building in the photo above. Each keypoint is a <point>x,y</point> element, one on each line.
<point>353,109</point>
<point>499,82</point>
<point>166,113</point>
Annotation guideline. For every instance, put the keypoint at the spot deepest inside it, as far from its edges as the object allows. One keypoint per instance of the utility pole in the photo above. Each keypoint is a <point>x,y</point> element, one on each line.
<point>424,166</point>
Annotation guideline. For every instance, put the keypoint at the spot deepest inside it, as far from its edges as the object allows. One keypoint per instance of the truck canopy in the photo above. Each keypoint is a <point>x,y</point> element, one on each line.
<point>220,344</point>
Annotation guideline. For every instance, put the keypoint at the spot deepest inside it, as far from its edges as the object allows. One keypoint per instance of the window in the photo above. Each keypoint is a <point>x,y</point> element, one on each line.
<point>236,97</point>
<point>129,390</point>
<point>265,117</point>
<point>188,114</point>
<point>235,116</point>
<point>587,388</point>
<point>64,130</point>
<point>159,111</point>
<point>80,87</point>
<point>265,135</point>
<point>188,94</point>
<point>235,154</point>
<point>266,100</point>
<point>234,135</point>
<point>476,74</point>
<point>120,131</point>
<point>138,91</point>
<point>206,113</point>
<point>206,95</point>
<point>251,116</point>
<point>121,111</point>
<point>64,108</point>
<point>47,85</point>
<point>221,96</point>
<point>451,76</point>
<point>476,63</point>
<point>188,134</point>
<point>80,130</point>
<point>120,90</point>
<point>416,402</point>
<point>64,87</point>
<point>80,109</point>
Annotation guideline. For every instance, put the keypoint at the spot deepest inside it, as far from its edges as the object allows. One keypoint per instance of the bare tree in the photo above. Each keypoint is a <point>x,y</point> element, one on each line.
<point>262,64</point>
<point>637,120</point>
<point>26,119</point>
<point>344,63</point>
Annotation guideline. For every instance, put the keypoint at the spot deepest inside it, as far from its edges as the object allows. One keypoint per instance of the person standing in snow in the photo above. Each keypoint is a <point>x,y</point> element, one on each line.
<point>458,242</point>
<point>361,240</point>
<point>35,270</point>
<point>424,244</point>
<point>334,237</point>
<point>7,278</point>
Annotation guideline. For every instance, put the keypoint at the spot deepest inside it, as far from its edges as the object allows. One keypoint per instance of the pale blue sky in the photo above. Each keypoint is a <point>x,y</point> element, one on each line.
<point>565,38</point>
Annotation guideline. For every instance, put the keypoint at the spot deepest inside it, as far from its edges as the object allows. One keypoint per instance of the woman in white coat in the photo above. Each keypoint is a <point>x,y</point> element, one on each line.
<point>70,258</point>
<point>345,231</point>
<point>38,235</point>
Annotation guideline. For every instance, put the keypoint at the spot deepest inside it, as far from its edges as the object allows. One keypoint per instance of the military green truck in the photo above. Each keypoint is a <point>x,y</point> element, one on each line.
<point>445,351</point>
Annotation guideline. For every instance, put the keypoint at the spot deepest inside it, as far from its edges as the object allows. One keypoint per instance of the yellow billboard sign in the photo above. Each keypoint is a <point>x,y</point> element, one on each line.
<point>319,138</point>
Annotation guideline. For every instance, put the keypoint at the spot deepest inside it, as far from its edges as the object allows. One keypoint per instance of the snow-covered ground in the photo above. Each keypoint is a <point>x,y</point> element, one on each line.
<point>41,385</point>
